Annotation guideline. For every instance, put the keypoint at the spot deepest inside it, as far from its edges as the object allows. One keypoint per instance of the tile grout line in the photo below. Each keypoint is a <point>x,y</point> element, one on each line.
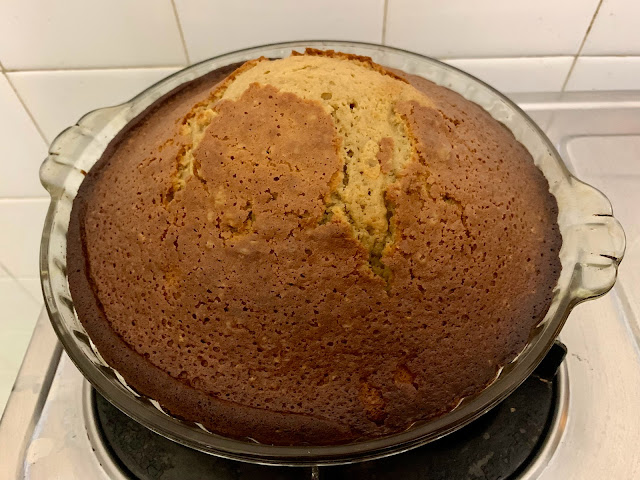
<point>158,67</point>
<point>26,109</point>
<point>584,41</point>
<point>98,68</point>
<point>518,57</point>
<point>612,55</point>
<point>16,280</point>
<point>26,199</point>
<point>184,43</point>
<point>384,22</point>
<point>6,270</point>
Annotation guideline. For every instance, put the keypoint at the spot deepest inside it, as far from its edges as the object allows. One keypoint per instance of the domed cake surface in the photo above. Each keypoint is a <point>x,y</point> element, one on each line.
<point>312,250</point>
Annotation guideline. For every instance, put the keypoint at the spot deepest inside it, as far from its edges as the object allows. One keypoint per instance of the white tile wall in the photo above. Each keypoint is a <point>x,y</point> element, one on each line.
<point>22,221</point>
<point>488,28</point>
<point>19,314</point>
<point>214,27</point>
<point>605,73</point>
<point>83,33</point>
<point>21,146</point>
<point>57,99</point>
<point>531,74</point>
<point>62,58</point>
<point>616,29</point>
<point>33,288</point>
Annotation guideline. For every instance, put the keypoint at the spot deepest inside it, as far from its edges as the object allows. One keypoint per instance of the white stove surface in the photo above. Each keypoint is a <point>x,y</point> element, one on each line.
<point>47,433</point>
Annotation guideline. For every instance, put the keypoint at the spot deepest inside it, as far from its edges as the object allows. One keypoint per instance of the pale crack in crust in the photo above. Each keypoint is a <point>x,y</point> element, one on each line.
<point>360,97</point>
<point>376,143</point>
<point>375,139</point>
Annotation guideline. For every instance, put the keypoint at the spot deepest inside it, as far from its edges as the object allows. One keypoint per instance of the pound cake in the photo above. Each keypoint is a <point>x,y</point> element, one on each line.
<point>312,250</point>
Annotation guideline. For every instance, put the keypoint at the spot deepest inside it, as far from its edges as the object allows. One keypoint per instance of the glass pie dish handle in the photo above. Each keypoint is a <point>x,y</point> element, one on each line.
<point>595,237</point>
<point>76,149</point>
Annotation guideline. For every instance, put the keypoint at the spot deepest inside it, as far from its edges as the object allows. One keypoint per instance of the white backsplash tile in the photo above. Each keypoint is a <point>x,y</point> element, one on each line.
<point>214,27</point>
<point>58,99</point>
<point>79,33</point>
<point>19,315</point>
<point>7,377</point>
<point>533,74</point>
<point>605,73</point>
<point>488,28</point>
<point>21,222</point>
<point>22,149</point>
<point>33,288</point>
<point>616,29</point>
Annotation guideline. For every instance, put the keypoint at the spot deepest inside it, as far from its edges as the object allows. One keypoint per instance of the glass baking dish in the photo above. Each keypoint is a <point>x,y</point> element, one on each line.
<point>593,245</point>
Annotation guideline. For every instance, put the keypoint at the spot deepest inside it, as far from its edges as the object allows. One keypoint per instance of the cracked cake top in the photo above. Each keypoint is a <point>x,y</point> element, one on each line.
<point>313,249</point>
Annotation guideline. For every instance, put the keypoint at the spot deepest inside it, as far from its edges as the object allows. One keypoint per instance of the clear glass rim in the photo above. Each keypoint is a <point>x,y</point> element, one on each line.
<point>191,435</point>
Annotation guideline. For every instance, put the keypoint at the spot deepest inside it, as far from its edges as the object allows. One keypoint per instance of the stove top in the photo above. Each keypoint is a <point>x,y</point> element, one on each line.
<point>581,423</point>
<point>500,444</point>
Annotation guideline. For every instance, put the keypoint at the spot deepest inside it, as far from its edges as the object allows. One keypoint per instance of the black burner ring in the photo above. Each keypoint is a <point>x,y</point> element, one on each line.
<point>499,445</point>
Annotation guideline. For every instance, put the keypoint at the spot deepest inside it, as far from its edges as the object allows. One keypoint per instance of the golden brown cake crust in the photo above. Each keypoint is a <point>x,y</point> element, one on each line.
<point>209,270</point>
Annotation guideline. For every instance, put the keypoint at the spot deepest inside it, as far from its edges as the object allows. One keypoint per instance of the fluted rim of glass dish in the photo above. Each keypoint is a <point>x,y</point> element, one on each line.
<point>593,246</point>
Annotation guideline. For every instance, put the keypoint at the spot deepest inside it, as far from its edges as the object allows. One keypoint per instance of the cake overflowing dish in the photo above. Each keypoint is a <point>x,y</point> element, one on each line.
<point>312,250</point>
